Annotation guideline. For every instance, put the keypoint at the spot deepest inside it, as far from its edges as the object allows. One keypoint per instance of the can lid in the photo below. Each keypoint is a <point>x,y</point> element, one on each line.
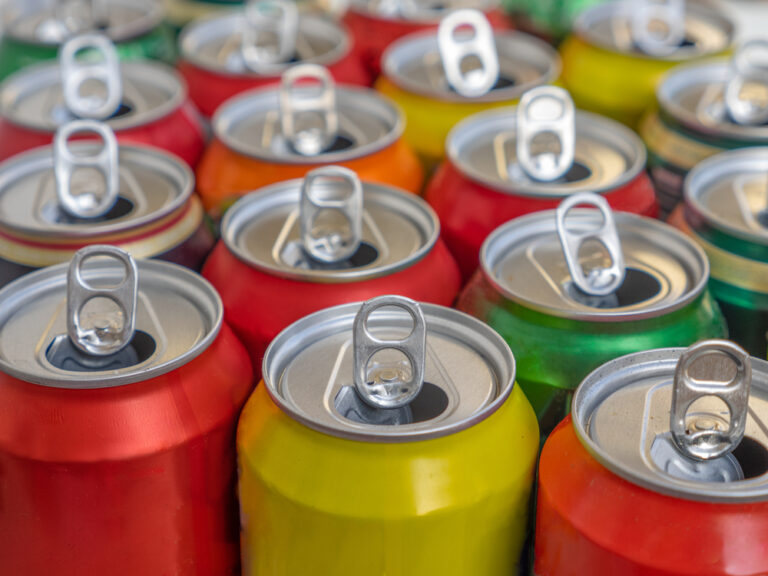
<point>690,423</point>
<point>330,228</point>
<point>538,261</point>
<point>421,11</point>
<point>69,326</point>
<point>485,147</point>
<point>267,123</point>
<point>225,43</point>
<point>672,30</point>
<point>54,22</point>
<point>355,371</point>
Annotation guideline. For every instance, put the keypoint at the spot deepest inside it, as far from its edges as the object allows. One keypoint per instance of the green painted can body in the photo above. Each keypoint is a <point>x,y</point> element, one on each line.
<point>552,18</point>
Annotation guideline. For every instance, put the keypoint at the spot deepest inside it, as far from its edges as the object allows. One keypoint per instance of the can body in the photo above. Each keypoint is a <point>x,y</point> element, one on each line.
<point>179,13</point>
<point>550,18</point>
<point>108,471</point>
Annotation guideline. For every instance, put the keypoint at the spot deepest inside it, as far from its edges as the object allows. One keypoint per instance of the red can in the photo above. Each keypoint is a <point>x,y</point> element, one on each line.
<point>225,55</point>
<point>117,444</point>
<point>143,102</point>
<point>492,173</point>
<point>300,246</point>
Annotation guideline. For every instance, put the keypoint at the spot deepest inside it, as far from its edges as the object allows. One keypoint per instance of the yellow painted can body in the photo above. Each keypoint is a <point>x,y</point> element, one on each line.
<point>316,504</point>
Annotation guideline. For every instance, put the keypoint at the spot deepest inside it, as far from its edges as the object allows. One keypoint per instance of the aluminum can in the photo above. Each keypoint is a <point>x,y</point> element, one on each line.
<point>227,54</point>
<point>623,489</point>
<point>704,109</point>
<point>179,13</point>
<point>120,389</point>
<point>550,19</point>
<point>375,25</point>
<point>433,100</point>
<point>494,173</point>
<point>286,252</point>
<point>270,135</point>
<point>34,31</point>
<point>142,101</point>
<point>448,445</point>
<point>613,60</point>
<point>50,206</point>
<point>585,287</point>
<point>724,213</point>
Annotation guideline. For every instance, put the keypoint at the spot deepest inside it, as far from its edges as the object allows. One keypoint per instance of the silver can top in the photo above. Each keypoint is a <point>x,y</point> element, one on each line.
<point>594,266</point>
<point>389,370</point>
<point>330,227</point>
<point>690,423</point>
<point>104,320</point>
<point>662,30</point>
<point>417,11</point>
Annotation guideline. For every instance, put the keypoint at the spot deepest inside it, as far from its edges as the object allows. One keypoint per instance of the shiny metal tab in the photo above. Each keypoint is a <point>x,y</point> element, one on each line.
<point>658,26</point>
<point>750,74</point>
<point>270,29</point>
<point>308,107</point>
<point>105,70</point>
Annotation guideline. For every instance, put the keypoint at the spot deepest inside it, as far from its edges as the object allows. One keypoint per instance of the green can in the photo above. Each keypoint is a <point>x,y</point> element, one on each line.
<point>551,19</point>
<point>33,33</point>
<point>179,13</point>
<point>574,288</point>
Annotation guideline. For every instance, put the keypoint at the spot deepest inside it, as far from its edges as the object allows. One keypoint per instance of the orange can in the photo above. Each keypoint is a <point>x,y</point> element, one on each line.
<point>274,134</point>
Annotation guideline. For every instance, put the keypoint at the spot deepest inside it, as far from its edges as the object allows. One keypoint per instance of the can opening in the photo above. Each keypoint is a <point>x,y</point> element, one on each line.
<point>54,214</point>
<point>638,286</point>
<point>296,256</point>
<point>430,403</point>
<point>501,83</point>
<point>66,356</point>
<point>752,456</point>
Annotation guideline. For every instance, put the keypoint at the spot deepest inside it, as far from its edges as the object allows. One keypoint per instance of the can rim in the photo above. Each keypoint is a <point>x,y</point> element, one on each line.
<point>362,7</point>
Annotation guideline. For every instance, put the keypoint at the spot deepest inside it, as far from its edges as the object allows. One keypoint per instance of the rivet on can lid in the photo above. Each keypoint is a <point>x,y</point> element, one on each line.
<point>658,26</point>
<point>750,68</point>
<point>105,70</point>
<point>277,22</point>
<point>87,204</point>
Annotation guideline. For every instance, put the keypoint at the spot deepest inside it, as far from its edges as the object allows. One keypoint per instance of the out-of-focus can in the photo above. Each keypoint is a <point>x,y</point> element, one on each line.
<point>618,53</point>
<point>725,213</point>
<point>420,448</point>
<point>179,13</point>
<point>228,54</point>
<point>120,389</point>
<point>425,74</point>
<point>303,245</point>
<point>274,134</point>
<point>584,287</point>
<point>643,481</point>
<point>505,163</point>
<point>33,31</point>
<point>704,109</point>
<point>551,19</point>
<point>51,206</point>
<point>142,101</point>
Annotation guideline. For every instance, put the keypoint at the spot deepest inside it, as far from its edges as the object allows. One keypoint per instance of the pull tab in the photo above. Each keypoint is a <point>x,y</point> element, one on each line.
<point>704,440</point>
<point>330,245</point>
<point>479,46</point>
<point>600,281</point>
<point>105,70</point>
<point>270,28</point>
<point>109,334</point>
<point>658,26</point>
<point>297,106</point>
<point>750,67</point>
<point>389,385</point>
<point>546,110</point>
<point>66,163</point>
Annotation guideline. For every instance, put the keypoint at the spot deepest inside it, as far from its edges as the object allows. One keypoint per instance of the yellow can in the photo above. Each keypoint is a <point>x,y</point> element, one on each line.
<point>613,60</point>
<point>386,438</point>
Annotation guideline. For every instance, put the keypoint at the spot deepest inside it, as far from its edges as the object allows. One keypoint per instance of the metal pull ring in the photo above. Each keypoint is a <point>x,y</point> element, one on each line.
<point>389,385</point>
<point>704,440</point>
<point>750,66</point>
<point>105,70</point>
<point>546,110</point>
<point>110,333</point>
<point>66,163</point>
<point>330,245</point>
<point>308,103</point>
<point>480,46</point>
<point>600,281</point>
<point>266,20</point>
<point>658,26</point>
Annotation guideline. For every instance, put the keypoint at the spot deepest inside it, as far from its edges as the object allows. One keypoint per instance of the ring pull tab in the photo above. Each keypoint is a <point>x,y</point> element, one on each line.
<point>308,115</point>
<point>105,161</point>
<point>599,281</point>
<point>479,46</point>
<point>658,26</point>
<point>270,28</point>
<point>110,332</point>
<point>389,384</point>
<point>319,193</point>
<point>750,69</point>
<point>546,110</point>
<point>704,439</point>
<point>104,70</point>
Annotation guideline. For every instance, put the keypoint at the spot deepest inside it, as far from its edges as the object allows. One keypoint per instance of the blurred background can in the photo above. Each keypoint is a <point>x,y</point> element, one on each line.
<point>550,19</point>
